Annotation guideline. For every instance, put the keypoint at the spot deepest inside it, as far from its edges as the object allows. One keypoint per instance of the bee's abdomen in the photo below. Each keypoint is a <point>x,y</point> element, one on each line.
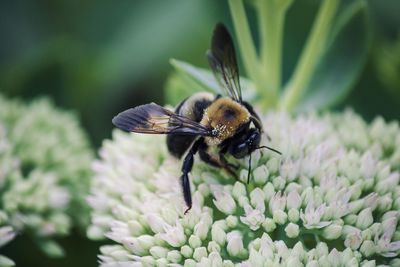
<point>192,107</point>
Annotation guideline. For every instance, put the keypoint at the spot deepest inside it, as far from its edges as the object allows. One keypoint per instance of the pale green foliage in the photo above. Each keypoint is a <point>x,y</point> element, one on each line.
<point>44,171</point>
<point>331,199</point>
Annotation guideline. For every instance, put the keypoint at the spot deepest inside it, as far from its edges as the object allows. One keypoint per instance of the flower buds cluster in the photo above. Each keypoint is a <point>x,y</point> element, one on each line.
<point>331,199</point>
<point>44,173</point>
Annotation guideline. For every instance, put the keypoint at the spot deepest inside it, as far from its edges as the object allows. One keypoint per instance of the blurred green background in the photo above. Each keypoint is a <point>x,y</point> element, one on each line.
<point>101,57</point>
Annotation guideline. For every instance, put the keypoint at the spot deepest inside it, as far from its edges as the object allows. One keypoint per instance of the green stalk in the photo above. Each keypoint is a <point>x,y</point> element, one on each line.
<point>309,58</point>
<point>248,51</point>
<point>271,16</point>
<point>245,41</point>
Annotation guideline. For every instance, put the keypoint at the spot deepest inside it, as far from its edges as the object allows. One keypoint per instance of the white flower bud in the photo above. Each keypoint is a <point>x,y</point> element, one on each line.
<point>387,185</point>
<point>293,200</point>
<point>6,235</point>
<point>367,248</point>
<point>238,190</point>
<point>294,261</point>
<point>266,247</point>
<point>194,241</point>
<point>174,235</point>
<point>289,170</point>
<point>334,257</point>
<point>158,252</point>
<point>279,183</point>
<point>371,200</point>
<point>201,229</point>
<point>6,262</point>
<point>228,263</point>
<point>351,219</point>
<point>364,219</point>
<point>366,234</point>
<point>269,191</point>
<point>133,244</point>
<point>273,165</point>
<point>255,258</point>
<point>215,259</point>
<point>353,240</point>
<point>292,230</point>
<point>260,175</point>
<point>218,235</point>
<point>147,261</point>
<point>174,256</point>
<point>281,249</point>
<point>293,215</point>
<point>367,263</point>
<point>332,231</point>
<point>213,247</point>
<point>235,244</point>
<point>395,263</point>
<point>186,251</point>
<point>277,202</point>
<point>383,173</point>
<point>257,199</point>
<point>385,202</point>
<point>189,263</point>
<point>280,217</point>
<point>155,222</point>
<point>322,249</point>
<point>269,225</point>
<point>223,200</point>
<point>135,228</point>
<point>312,263</point>
<point>204,189</point>
<point>390,214</point>
<point>231,221</point>
<point>161,262</point>
<point>243,201</point>
<point>299,251</point>
<point>200,253</point>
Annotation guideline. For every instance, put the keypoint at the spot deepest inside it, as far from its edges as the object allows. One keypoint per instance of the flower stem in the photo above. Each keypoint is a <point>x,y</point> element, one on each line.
<point>244,38</point>
<point>271,17</point>
<point>248,51</point>
<point>309,58</point>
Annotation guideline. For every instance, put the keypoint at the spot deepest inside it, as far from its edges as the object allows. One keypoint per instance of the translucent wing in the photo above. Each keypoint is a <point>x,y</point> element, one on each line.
<point>154,119</point>
<point>222,60</point>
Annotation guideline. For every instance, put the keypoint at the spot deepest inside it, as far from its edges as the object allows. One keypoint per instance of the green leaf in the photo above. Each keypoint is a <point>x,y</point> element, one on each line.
<point>180,86</point>
<point>343,60</point>
<point>188,79</point>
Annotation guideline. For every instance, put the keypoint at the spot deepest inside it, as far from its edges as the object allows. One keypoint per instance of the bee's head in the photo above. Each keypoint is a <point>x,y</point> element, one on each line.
<point>247,144</point>
<point>225,116</point>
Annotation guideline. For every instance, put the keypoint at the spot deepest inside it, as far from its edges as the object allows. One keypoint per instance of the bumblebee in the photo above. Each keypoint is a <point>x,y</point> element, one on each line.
<point>203,120</point>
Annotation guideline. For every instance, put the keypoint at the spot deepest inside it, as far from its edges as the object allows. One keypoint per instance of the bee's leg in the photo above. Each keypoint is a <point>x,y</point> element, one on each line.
<point>186,168</point>
<point>207,158</point>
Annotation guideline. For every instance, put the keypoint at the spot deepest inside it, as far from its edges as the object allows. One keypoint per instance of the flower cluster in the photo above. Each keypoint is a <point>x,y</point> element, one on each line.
<point>331,199</point>
<point>44,172</point>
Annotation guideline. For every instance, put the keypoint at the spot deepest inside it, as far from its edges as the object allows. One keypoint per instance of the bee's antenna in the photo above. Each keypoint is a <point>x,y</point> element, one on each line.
<point>270,148</point>
<point>248,173</point>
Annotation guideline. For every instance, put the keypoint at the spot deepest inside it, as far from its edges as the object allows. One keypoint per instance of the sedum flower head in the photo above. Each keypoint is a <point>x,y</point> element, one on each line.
<point>44,172</point>
<point>331,199</point>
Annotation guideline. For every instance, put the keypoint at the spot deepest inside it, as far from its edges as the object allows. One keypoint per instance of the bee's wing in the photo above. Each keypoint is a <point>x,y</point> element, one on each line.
<point>222,60</point>
<point>154,119</point>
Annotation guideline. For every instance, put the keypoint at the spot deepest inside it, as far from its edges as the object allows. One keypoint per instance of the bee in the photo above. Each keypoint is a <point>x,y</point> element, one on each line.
<point>204,120</point>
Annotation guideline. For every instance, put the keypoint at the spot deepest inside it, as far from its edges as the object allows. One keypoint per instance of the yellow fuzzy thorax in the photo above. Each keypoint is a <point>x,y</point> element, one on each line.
<point>224,115</point>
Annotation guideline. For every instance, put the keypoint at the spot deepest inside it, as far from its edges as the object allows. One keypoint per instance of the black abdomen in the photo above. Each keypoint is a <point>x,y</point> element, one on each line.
<point>192,107</point>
